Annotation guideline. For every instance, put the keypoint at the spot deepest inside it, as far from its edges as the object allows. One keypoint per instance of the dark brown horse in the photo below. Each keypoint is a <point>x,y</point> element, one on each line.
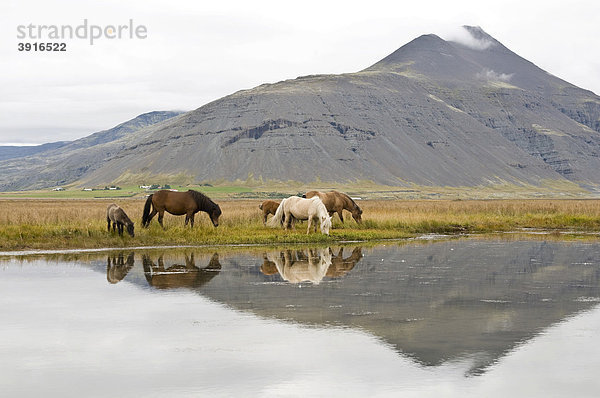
<point>119,219</point>
<point>336,202</point>
<point>178,204</point>
<point>268,207</point>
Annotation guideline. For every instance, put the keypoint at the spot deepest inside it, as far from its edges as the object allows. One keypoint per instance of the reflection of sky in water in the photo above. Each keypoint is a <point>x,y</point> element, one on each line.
<point>66,331</point>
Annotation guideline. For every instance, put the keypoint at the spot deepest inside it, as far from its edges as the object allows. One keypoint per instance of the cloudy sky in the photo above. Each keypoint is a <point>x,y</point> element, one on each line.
<point>195,52</point>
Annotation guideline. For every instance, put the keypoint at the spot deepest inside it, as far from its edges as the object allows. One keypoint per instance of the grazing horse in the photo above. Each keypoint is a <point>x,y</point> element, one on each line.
<point>118,217</point>
<point>178,204</point>
<point>302,209</point>
<point>336,202</point>
<point>268,207</point>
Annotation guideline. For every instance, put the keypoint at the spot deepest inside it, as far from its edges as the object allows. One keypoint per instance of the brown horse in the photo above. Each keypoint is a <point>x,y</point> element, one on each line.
<point>178,204</point>
<point>268,207</point>
<point>119,219</point>
<point>336,202</point>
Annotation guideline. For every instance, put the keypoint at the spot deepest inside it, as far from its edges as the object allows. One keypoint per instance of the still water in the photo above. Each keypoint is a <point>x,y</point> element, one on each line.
<point>456,318</point>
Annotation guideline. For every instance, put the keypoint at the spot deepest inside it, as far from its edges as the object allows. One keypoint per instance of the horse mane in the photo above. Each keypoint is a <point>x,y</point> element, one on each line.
<point>126,217</point>
<point>203,201</point>
<point>350,199</point>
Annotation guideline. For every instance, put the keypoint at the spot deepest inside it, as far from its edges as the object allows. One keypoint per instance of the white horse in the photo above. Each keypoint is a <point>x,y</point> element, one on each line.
<point>302,209</point>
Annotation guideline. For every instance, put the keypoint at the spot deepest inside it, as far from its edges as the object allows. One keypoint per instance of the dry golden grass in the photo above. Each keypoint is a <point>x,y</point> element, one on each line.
<point>73,223</point>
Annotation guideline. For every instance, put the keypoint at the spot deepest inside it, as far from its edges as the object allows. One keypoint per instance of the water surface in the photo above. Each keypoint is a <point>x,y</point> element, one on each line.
<point>452,318</point>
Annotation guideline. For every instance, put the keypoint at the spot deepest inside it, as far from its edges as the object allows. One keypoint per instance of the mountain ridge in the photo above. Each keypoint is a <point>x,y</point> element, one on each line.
<point>433,112</point>
<point>61,163</point>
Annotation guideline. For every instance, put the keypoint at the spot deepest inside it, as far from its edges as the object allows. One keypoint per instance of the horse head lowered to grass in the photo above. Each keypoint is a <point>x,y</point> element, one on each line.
<point>337,202</point>
<point>119,219</point>
<point>178,204</point>
<point>295,208</point>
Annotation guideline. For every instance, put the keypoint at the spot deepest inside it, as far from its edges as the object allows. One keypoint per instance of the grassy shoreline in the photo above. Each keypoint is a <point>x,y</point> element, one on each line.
<point>37,224</point>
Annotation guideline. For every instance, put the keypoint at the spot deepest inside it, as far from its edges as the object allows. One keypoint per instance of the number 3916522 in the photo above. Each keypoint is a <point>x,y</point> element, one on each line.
<point>42,46</point>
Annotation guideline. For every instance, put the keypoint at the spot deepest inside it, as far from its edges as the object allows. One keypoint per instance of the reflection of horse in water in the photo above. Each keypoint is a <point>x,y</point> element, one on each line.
<point>179,275</point>
<point>340,266</point>
<point>117,267</point>
<point>297,266</point>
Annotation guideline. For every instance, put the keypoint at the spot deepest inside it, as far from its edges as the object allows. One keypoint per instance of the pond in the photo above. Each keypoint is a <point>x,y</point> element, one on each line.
<point>467,317</point>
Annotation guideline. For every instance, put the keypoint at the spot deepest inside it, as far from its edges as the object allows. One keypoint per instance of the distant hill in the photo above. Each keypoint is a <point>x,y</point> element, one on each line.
<point>60,163</point>
<point>433,112</point>
<point>19,151</point>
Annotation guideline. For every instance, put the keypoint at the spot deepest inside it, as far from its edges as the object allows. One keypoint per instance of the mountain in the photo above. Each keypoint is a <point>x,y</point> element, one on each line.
<point>434,112</point>
<point>18,151</point>
<point>60,163</point>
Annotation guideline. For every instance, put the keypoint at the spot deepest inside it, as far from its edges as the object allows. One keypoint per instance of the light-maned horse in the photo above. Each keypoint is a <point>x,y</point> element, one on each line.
<point>336,202</point>
<point>119,218</point>
<point>178,204</point>
<point>296,208</point>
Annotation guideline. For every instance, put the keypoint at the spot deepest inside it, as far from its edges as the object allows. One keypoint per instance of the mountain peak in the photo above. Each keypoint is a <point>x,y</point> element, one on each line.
<point>422,46</point>
<point>474,38</point>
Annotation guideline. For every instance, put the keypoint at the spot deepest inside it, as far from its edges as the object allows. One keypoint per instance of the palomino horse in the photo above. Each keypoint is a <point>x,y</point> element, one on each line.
<point>336,202</point>
<point>268,207</point>
<point>178,204</point>
<point>119,219</point>
<point>302,209</point>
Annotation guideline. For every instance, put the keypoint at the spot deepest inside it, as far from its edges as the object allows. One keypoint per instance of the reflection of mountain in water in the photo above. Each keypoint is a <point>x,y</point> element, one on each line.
<point>435,302</point>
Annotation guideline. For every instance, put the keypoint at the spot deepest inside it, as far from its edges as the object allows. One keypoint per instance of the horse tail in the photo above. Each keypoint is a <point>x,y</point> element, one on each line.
<point>146,214</point>
<point>277,219</point>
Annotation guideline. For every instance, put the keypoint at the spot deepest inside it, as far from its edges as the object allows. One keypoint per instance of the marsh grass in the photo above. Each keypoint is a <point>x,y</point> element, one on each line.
<point>54,224</point>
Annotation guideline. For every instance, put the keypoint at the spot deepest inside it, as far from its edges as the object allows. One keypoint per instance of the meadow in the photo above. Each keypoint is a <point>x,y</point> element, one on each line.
<point>81,223</point>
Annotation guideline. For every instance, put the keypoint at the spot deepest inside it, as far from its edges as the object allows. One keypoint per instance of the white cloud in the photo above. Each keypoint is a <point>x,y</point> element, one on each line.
<point>489,74</point>
<point>464,37</point>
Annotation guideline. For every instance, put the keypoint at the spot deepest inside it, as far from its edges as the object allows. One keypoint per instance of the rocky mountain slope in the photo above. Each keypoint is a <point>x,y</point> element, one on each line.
<point>433,112</point>
<point>60,163</point>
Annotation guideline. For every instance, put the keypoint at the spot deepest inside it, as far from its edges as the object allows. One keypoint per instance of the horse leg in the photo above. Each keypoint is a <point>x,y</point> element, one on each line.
<point>161,214</point>
<point>108,221</point>
<point>340,214</point>
<point>192,216</point>
<point>309,222</point>
<point>120,228</point>
<point>187,218</point>
<point>265,217</point>
<point>152,214</point>
<point>114,226</point>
